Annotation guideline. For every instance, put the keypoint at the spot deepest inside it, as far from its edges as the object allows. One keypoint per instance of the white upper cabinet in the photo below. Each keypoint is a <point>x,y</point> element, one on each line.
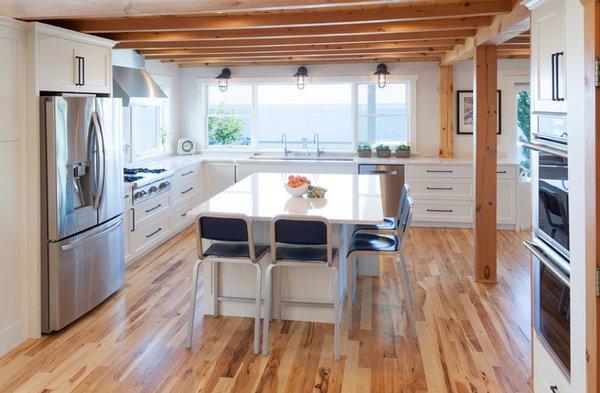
<point>73,62</point>
<point>548,56</point>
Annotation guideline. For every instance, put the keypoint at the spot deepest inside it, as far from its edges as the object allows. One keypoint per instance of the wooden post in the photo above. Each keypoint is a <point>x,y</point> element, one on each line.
<point>446,115</point>
<point>485,161</point>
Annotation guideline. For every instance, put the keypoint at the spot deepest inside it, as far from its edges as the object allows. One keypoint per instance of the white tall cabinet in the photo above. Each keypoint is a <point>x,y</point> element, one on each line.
<point>13,172</point>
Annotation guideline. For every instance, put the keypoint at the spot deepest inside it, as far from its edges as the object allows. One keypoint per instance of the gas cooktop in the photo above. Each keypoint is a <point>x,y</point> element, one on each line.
<point>133,174</point>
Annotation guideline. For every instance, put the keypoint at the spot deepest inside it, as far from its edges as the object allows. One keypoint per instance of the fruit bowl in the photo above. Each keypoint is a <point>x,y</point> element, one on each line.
<point>297,191</point>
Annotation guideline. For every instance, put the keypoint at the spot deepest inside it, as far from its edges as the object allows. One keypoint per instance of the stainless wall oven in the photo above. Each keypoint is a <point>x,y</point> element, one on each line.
<point>551,302</point>
<point>550,194</point>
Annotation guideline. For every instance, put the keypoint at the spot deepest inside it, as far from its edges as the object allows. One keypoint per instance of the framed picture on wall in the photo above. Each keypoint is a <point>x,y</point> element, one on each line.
<point>465,115</point>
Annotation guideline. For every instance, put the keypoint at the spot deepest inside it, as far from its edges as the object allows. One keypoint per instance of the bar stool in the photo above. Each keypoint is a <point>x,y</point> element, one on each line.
<point>380,244</point>
<point>303,242</point>
<point>390,224</point>
<point>233,242</point>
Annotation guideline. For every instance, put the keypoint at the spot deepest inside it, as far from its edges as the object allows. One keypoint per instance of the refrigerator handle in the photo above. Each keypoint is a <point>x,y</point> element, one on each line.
<point>100,140</point>
<point>75,244</point>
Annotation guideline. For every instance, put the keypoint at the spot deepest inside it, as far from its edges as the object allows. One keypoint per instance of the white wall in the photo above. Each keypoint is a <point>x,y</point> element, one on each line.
<point>427,119</point>
<point>508,71</point>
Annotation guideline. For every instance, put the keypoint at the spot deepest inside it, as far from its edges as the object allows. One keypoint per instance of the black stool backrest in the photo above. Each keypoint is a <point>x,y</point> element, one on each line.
<point>224,229</point>
<point>306,233</point>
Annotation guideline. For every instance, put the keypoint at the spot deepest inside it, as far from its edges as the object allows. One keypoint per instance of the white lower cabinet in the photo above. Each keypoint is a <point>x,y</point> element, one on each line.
<point>218,176</point>
<point>547,376</point>
<point>443,194</point>
<point>155,220</point>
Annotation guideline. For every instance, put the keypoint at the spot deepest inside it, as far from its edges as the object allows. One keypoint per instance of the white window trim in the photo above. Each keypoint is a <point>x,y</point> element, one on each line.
<point>202,98</point>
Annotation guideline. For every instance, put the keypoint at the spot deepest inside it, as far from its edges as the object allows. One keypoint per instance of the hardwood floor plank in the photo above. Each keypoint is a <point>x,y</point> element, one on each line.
<point>468,336</point>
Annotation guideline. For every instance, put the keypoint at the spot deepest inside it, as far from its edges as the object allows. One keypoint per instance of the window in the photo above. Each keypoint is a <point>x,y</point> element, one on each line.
<point>255,114</point>
<point>523,109</point>
<point>147,129</point>
<point>322,108</point>
<point>383,113</point>
<point>228,115</point>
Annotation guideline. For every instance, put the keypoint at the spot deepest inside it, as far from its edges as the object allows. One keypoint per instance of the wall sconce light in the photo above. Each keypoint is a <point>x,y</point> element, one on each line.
<point>381,73</point>
<point>223,79</point>
<point>300,76</point>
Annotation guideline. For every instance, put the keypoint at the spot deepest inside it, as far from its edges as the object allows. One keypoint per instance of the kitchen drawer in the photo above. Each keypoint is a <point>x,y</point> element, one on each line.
<point>546,372</point>
<point>152,207</point>
<point>186,191</point>
<point>506,172</point>
<point>179,214</point>
<point>150,233</point>
<point>443,211</point>
<point>185,173</point>
<point>438,171</point>
<point>440,189</point>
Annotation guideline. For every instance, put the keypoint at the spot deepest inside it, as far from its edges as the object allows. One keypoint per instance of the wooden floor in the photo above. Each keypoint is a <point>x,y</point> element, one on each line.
<point>468,337</point>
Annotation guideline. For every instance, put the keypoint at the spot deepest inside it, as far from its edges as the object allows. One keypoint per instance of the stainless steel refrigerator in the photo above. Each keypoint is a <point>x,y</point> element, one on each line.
<point>83,252</point>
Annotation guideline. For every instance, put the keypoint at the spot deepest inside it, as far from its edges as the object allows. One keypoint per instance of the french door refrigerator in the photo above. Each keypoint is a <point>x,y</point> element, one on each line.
<point>83,252</point>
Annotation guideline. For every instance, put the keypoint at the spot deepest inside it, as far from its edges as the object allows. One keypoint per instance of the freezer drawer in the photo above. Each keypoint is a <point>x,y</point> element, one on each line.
<point>83,271</point>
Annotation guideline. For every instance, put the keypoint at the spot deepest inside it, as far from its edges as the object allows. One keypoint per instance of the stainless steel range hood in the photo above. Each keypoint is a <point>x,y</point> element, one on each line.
<point>136,87</point>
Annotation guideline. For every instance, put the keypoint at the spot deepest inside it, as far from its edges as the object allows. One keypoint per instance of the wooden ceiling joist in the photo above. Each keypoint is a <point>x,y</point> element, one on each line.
<point>307,40</point>
<point>502,29</point>
<point>423,45</point>
<point>295,62</point>
<point>63,9</point>
<point>279,20</point>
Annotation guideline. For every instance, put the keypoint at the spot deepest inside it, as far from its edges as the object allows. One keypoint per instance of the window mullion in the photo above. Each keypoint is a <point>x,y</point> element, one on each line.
<point>254,117</point>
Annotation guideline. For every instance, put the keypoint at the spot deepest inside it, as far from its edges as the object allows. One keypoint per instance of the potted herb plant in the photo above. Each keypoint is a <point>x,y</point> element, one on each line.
<point>383,151</point>
<point>403,150</point>
<point>364,150</point>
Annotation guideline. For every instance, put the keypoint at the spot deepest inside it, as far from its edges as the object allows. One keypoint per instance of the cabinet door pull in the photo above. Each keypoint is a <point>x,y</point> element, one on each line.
<point>553,72</point>
<point>554,389</point>
<point>188,190</point>
<point>154,208</point>
<point>79,81</point>
<point>441,188</point>
<point>187,173</point>
<point>132,219</point>
<point>439,171</point>
<point>501,172</point>
<point>557,74</point>
<point>153,233</point>
<point>440,210</point>
<point>184,214</point>
<point>82,71</point>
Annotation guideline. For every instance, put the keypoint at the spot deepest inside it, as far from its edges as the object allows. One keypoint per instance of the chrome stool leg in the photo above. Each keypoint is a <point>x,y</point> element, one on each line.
<point>193,303</point>
<point>267,316</point>
<point>257,310</point>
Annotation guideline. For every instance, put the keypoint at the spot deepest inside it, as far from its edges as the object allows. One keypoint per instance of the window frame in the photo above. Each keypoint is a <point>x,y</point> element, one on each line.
<point>202,94</point>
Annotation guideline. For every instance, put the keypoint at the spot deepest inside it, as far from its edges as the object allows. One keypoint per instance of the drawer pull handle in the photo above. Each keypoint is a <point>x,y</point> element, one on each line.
<point>187,173</point>
<point>440,210</point>
<point>153,233</point>
<point>554,389</point>
<point>441,188</point>
<point>184,214</point>
<point>501,172</point>
<point>439,171</point>
<point>154,208</point>
<point>188,190</point>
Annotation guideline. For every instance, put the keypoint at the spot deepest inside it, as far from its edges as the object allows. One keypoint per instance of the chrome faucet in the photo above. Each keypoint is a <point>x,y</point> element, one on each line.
<point>316,140</point>
<point>286,151</point>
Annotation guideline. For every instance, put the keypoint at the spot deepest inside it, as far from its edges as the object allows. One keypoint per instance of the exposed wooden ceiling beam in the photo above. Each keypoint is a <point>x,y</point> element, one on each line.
<point>331,53</point>
<point>303,57</point>
<point>513,46</point>
<point>354,30</point>
<point>423,45</point>
<point>55,9</point>
<point>311,62</point>
<point>303,40</point>
<point>518,40</point>
<point>261,20</point>
<point>502,28</point>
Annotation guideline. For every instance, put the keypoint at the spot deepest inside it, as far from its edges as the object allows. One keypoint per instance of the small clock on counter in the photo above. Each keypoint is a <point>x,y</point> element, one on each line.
<point>186,146</point>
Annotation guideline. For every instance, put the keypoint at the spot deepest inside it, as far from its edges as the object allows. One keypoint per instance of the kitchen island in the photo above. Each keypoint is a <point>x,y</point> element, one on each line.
<point>351,199</point>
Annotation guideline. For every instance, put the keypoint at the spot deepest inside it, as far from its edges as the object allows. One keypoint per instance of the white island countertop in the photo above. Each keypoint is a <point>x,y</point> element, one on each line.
<point>350,198</point>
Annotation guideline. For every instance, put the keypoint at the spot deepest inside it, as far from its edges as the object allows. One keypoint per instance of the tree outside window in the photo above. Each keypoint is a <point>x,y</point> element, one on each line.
<point>524,127</point>
<point>225,128</point>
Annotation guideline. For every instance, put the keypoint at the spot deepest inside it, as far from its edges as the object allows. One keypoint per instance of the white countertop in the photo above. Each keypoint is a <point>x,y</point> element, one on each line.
<point>350,199</point>
<point>175,162</point>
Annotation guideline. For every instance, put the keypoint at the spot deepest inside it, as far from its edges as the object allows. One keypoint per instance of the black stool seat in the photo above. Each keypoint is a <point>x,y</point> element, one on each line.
<point>303,253</point>
<point>371,242</point>
<point>234,250</point>
<point>389,224</point>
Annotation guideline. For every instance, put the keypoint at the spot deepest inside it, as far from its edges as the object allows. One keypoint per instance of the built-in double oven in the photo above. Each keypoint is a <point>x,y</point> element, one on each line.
<point>550,244</point>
